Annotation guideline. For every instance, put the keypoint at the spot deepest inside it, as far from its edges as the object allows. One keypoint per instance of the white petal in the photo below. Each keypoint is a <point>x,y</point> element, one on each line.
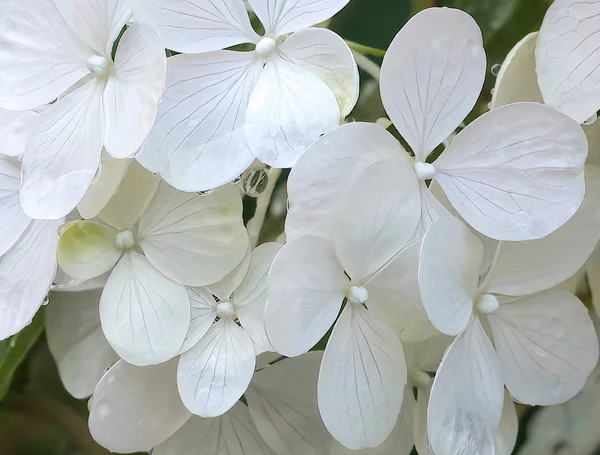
<point>515,173</point>
<point>593,278</point>
<point>145,316</point>
<point>394,296</point>
<point>224,289</point>
<point>204,313</point>
<point>281,17</point>
<point>517,79</point>
<point>362,380</point>
<point>13,220</point>
<point>450,260</point>
<point>280,123</point>
<point>426,355</point>
<point>15,128</point>
<point>213,375</point>
<point>420,423</point>
<point>233,433</point>
<point>197,26</point>
<point>40,58</point>
<point>250,297</point>
<point>282,399</point>
<point>568,64</point>
<point>328,169</point>
<point>96,22</point>
<point>377,218</point>
<point>326,55</point>
<point>134,90</point>
<point>26,274</point>
<point>547,346</point>
<point>194,239</point>
<point>306,287</point>
<point>522,268</point>
<point>87,249</point>
<point>76,341</point>
<point>62,158</point>
<point>505,436</point>
<point>432,75</point>
<point>133,409</point>
<point>199,140</point>
<point>467,396</point>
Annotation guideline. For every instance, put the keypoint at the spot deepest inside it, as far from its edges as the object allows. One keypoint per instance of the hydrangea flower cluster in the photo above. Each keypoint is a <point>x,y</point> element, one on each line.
<point>414,296</point>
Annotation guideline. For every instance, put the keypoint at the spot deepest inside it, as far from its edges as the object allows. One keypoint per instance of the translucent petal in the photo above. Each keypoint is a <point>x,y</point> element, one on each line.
<point>194,239</point>
<point>505,436</point>
<point>467,397</point>
<point>280,124</point>
<point>133,408</point>
<point>450,260</point>
<point>15,128</point>
<point>204,314</point>
<point>213,375</point>
<point>224,289</point>
<point>134,90</point>
<point>199,140</point>
<point>515,173</point>
<point>328,169</point>
<point>547,346</point>
<point>306,287</point>
<point>76,341</point>
<point>145,316</point>
<point>362,380</point>
<point>13,221</point>
<point>432,75</point>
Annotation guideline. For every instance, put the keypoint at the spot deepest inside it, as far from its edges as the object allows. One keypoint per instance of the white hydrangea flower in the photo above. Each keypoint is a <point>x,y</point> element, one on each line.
<point>222,108</point>
<point>15,127</point>
<point>544,348</point>
<point>186,239</point>
<point>59,52</point>
<point>515,173</point>
<point>27,254</point>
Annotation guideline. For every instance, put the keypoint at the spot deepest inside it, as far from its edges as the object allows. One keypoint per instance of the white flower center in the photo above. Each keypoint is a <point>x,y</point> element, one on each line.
<point>225,310</point>
<point>125,240</point>
<point>357,294</point>
<point>424,171</point>
<point>266,46</point>
<point>487,303</point>
<point>98,65</point>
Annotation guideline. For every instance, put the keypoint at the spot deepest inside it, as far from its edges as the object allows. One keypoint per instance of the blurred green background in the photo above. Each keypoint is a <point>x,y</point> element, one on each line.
<point>38,417</point>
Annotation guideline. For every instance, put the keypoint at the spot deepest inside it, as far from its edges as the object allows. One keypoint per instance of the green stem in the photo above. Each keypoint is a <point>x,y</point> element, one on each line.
<point>365,50</point>
<point>418,5</point>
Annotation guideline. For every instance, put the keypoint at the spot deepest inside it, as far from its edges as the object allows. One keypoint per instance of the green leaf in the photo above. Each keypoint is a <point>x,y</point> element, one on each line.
<point>14,350</point>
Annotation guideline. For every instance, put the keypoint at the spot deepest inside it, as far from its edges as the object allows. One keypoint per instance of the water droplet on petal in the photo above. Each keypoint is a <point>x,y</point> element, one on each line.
<point>205,193</point>
<point>496,67</point>
<point>591,120</point>
<point>254,182</point>
<point>46,300</point>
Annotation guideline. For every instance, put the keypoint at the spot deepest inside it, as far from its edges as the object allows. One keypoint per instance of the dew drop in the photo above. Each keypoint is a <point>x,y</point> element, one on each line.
<point>254,182</point>
<point>62,228</point>
<point>496,67</point>
<point>205,193</point>
<point>591,120</point>
<point>46,301</point>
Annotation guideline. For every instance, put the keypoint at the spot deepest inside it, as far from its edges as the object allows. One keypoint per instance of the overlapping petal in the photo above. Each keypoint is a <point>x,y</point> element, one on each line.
<point>13,220</point>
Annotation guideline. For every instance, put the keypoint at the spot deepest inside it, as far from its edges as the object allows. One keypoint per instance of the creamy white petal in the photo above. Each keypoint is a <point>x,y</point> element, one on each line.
<point>136,408</point>
<point>505,436</point>
<point>568,62</point>
<point>204,314</point>
<point>250,297</point>
<point>233,433</point>
<point>15,128</point>
<point>362,379</point>
<point>76,341</point>
<point>377,218</point>
<point>394,296</point>
<point>328,169</point>
<point>450,260</point>
<point>194,239</point>
<point>426,355</point>
<point>593,278</point>
<point>432,75</point>
<point>13,221</point>
<point>517,79</point>
<point>547,346</point>
<point>87,249</point>
<point>306,287</point>
<point>40,56</point>
<point>62,157</point>
<point>522,268</point>
<point>420,423</point>
<point>26,274</point>
<point>199,141</point>
<point>467,397</point>
<point>197,26</point>
<point>282,400</point>
<point>214,374</point>
<point>224,289</point>
<point>288,110</point>
<point>281,17</point>
<point>515,173</point>
<point>134,90</point>
<point>326,54</point>
<point>145,316</point>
